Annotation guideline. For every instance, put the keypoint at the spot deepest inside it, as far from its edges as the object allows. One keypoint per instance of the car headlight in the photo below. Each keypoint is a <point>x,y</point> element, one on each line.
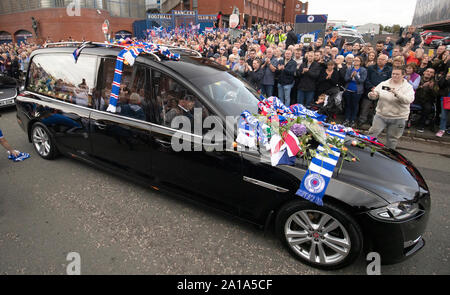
<point>396,211</point>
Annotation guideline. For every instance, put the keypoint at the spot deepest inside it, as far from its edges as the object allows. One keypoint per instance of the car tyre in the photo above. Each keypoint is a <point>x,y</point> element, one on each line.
<point>331,239</point>
<point>43,142</point>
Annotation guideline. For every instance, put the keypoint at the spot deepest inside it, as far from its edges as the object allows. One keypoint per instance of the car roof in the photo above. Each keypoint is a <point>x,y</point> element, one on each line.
<point>188,65</point>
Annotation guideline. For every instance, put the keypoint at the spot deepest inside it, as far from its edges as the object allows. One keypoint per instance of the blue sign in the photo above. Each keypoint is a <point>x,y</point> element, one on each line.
<point>311,19</point>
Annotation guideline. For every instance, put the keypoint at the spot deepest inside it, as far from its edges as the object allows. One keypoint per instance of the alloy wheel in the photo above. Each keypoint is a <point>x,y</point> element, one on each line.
<point>317,237</point>
<point>41,141</point>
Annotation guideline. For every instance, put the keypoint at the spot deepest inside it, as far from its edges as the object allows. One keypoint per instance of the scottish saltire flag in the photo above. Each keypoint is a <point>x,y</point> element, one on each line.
<point>320,171</point>
<point>77,52</point>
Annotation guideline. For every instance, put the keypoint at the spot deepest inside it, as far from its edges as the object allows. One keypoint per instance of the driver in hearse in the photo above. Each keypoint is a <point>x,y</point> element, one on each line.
<point>184,107</point>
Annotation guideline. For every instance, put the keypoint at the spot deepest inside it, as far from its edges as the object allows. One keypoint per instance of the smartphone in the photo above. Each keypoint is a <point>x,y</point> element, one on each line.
<point>386,88</point>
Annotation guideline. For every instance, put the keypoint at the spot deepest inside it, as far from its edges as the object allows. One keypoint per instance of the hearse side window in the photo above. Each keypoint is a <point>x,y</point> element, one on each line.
<point>132,96</point>
<point>171,99</point>
<point>58,76</point>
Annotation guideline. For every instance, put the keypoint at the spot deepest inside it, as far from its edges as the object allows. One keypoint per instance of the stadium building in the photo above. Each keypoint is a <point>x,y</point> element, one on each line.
<point>432,14</point>
<point>64,19</point>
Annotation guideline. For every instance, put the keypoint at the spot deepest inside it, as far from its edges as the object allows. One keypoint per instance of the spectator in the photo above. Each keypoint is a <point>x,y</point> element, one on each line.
<point>286,71</point>
<point>291,38</point>
<point>335,40</point>
<point>371,59</point>
<point>241,67</point>
<point>307,74</point>
<point>411,76</point>
<point>255,75</point>
<point>444,86</point>
<point>328,80</point>
<point>270,66</point>
<point>7,146</point>
<point>348,49</point>
<point>388,46</point>
<point>356,49</point>
<point>426,96</point>
<point>349,60</point>
<point>341,68</point>
<point>394,98</point>
<point>424,65</point>
<point>375,75</point>
<point>355,78</point>
<point>251,57</point>
<point>413,56</point>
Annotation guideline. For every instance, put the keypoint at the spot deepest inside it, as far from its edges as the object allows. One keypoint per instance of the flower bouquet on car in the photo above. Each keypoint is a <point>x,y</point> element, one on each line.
<point>296,132</point>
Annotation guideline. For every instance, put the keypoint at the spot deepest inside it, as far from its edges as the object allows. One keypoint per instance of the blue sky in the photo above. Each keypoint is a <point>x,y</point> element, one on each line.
<point>359,12</point>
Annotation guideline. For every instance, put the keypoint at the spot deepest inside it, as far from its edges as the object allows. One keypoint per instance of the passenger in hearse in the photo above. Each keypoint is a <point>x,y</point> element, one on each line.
<point>133,108</point>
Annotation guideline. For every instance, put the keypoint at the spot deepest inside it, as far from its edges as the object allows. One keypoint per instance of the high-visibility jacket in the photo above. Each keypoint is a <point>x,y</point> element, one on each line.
<point>271,38</point>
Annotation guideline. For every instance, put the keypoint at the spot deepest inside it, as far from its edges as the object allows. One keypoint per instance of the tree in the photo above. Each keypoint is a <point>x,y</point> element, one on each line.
<point>395,29</point>
<point>381,29</point>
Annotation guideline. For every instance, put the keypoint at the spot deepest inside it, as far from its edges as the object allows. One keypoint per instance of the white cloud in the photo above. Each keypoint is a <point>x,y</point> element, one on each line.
<point>359,12</point>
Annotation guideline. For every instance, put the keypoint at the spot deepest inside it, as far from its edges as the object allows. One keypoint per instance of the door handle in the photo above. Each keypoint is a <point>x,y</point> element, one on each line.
<point>100,125</point>
<point>164,143</point>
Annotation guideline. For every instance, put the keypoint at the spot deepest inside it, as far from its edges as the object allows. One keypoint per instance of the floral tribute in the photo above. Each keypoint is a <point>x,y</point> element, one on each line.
<point>296,132</point>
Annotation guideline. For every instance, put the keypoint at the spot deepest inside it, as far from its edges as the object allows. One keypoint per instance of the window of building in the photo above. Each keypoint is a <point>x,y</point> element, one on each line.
<point>58,76</point>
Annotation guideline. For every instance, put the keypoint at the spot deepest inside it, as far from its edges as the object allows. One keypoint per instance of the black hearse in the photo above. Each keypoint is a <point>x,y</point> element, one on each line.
<point>381,203</point>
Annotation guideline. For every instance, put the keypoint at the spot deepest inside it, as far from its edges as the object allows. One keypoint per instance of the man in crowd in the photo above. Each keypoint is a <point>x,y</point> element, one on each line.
<point>270,66</point>
<point>426,97</point>
<point>291,38</point>
<point>375,75</point>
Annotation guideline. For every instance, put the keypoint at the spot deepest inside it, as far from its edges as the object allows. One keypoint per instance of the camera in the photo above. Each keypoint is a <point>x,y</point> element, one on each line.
<point>386,88</point>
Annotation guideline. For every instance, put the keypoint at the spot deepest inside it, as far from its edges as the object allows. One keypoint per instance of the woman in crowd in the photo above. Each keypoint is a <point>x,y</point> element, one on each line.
<point>371,59</point>
<point>424,65</point>
<point>355,78</point>
<point>411,76</point>
<point>328,80</point>
<point>395,91</point>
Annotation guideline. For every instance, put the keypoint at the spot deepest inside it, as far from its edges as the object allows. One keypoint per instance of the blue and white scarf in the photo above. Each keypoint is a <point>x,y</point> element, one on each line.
<point>130,54</point>
<point>320,171</point>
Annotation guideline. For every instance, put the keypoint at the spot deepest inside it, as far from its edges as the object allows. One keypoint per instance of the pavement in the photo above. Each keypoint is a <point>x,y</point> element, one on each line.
<point>51,208</point>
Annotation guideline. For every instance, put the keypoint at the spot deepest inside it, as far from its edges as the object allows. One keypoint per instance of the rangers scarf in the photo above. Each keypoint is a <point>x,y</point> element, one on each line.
<point>320,171</point>
<point>129,54</point>
<point>77,52</point>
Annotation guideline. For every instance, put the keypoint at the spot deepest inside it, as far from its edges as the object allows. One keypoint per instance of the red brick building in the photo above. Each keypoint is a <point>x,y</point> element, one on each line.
<point>56,24</point>
<point>251,11</point>
<point>16,23</point>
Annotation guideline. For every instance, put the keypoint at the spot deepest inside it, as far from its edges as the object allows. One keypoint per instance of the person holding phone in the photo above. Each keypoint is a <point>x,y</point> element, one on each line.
<point>394,99</point>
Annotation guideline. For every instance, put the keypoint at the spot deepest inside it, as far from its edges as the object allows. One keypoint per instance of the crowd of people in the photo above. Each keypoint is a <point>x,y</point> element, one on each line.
<point>332,71</point>
<point>331,74</point>
<point>14,58</point>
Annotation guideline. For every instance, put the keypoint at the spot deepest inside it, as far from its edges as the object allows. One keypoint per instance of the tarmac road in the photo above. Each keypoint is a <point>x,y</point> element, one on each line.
<point>51,208</point>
